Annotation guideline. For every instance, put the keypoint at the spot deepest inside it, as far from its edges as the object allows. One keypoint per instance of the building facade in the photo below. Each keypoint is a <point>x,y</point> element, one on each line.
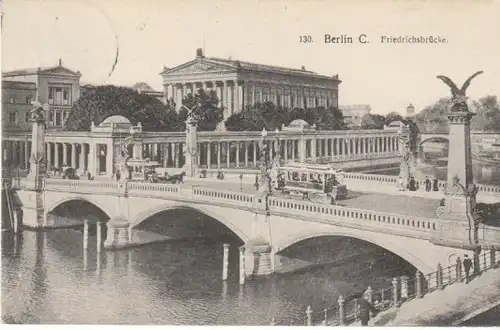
<point>56,86</point>
<point>17,99</point>
<point>239,83</point>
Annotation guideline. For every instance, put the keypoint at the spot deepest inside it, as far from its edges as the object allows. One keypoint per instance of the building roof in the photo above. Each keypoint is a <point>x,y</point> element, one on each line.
<point>244,65</point>
<point>58,70</point>
<point>299,123</point>
<point>115,119</point>
<point>7,84</point>
<point>143,87</point>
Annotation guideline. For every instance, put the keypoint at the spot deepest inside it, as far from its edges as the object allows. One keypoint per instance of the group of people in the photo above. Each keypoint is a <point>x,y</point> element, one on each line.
<point>413,185</point>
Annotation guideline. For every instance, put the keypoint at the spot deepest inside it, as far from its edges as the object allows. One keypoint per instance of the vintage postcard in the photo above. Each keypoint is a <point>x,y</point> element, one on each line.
<point>250,163</point>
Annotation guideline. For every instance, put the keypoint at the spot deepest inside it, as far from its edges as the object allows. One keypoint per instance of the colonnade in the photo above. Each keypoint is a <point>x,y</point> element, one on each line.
<point>236,152</point>
<point>234,95</point>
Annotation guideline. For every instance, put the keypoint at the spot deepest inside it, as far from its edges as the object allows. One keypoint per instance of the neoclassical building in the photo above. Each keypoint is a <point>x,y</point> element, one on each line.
<point>56,86</point>
<point>239,83</point>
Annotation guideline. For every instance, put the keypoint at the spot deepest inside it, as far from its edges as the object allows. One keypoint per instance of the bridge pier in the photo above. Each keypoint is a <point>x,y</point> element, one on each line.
<point>118,233</point>
<point>258,259</point>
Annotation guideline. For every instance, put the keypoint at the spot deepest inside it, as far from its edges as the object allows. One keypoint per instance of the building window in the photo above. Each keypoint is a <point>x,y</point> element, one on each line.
<point>27,116</point>
<point>58,118</point>
<point>28,99</point>
<point>51,116</point>
<point>12,117</point>
<point>59,95</point>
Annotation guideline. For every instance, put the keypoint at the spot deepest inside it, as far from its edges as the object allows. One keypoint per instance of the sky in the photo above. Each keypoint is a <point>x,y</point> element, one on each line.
<point>151,34</point>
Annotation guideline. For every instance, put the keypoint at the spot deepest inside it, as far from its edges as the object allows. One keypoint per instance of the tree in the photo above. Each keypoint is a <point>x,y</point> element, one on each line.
<point>270,116</point>
<point>208,113</point>
<point>97,103</point>
<point>372,121</point>
<point>433,119</point>
<point>487,118</point>
<point>393,116</point>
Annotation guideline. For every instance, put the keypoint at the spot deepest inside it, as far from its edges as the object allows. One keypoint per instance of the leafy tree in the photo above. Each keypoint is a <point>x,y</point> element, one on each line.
<point>207,112</point>
<point>392,116</point>
<point>487,118</point>
<point>372,121</point>
<point>270,116</point>
<point>97,103</point>
<point>433,119</point>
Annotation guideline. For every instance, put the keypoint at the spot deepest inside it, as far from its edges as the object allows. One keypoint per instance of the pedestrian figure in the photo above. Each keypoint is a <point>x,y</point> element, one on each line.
<point>427,184</point>
<point>365,307</point>
<point>435,184</point>
<point>411,185</point>
<point>467,267</point>
<point>401,184</point>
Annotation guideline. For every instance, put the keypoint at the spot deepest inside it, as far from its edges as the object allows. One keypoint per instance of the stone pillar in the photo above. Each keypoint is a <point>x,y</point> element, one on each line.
<point>254,149</point>
<point>226,101</point>
<point>341,301</point>
<point>176,147</point>
<point>219,145</point>
<point>99,235</point>
<point>302,149</point>
<point>404,287</point>
<point>49,155</point>
<point>237,97</point>
<point>57,163</point>
<point>237,154</point>
<point>26,154</point>
<point>218,90</point>
<point>242,264</point>
<point>191,151</point>
<point>418,284</point>
<point>209,154</point>
<point>246,154</point>
<point>65,154</point>
<point>228,154</point>
<point>109,158</point>
<point>85,234</point>
<point>395,292</point>
<point>81,158</point>
<point>225,262</point>
<point>73,155</point>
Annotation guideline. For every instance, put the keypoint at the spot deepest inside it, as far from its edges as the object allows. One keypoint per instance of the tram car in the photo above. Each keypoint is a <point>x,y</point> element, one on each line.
<point>313,182</point>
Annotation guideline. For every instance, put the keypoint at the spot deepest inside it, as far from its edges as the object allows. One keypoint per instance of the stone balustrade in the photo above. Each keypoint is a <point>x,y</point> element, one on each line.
<point>101,187</point>
<point>389,179</point>
<point>333,213</point>
<point>238,198</point>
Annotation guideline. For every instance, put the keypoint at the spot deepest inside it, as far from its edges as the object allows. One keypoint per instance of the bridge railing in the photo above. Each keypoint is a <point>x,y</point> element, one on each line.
<point>389,179</point>
<point>331,213</point>
<point>151,189</point>
<point>84,186</point>
<point>242,199</point>
<point>401,290</point>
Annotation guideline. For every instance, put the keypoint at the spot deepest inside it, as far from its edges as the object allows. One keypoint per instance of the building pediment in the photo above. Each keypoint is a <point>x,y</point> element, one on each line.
<point>198,66</point>
<point>59,70</point>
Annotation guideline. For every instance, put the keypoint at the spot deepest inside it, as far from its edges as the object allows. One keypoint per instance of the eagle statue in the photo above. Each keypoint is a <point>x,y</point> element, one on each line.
<point>459,98</point>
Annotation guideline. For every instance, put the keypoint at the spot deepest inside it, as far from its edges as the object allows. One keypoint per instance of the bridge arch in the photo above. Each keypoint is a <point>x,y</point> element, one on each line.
<point>410,256</point>
<point>243,234</point>
<point>435,138</point>
<point>105,208</point>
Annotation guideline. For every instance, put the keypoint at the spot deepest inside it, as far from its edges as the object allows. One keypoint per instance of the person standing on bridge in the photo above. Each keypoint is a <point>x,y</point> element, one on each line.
<point>467,266</point>
<point>365,307</point>
<point>435,184</point>
<point>427,184</point>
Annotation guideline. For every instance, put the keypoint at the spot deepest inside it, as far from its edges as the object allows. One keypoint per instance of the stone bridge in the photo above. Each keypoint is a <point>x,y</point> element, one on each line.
<point>266,225</point>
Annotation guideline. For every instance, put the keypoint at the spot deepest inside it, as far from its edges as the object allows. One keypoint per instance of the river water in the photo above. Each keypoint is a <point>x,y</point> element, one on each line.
<point>48,279</point>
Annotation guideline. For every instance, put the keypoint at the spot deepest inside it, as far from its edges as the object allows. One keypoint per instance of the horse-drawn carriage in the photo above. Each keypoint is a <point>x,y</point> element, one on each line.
<point>163,175</point>
<point>313,182</point>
